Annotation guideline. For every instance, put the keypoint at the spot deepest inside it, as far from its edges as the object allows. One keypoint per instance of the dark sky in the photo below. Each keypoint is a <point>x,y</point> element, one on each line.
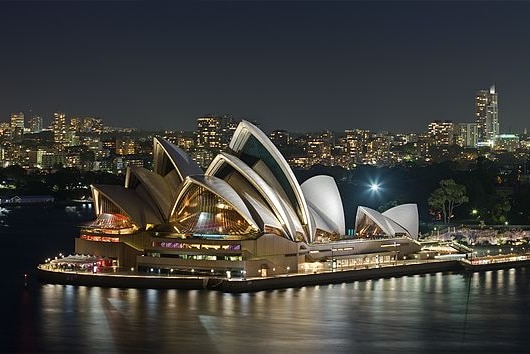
<point>298,65</point>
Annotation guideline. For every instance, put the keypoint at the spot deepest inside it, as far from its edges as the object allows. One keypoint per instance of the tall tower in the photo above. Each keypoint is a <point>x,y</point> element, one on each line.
<point>208,129</point>
<point>17,125</point>
<point>466,134</point>
<point>442,132</point>
<point>59,128</point>
<point>213,135</point>
<point>35,124</point>
<point>487,115</point>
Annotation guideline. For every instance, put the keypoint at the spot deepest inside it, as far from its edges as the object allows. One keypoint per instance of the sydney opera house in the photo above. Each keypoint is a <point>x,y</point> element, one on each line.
<point>245,215</point>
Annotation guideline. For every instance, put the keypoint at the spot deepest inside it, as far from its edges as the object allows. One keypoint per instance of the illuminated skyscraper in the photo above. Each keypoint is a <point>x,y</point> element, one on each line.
<point>17,125</point>
<point>215,132</point>
<point>35,124</point>
<point>487,115</point>
<point>466,134</point>
<point>59,128</point>
<point>213,135</point>
<point>208,132</point>
<point>442,132</point>
<point>356,142</point>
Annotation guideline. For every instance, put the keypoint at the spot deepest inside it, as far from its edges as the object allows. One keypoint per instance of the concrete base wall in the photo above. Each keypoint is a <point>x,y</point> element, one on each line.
<point>240,285</point>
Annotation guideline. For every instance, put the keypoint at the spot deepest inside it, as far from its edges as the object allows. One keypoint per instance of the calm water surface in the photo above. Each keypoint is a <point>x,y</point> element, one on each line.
<point>484,312</point>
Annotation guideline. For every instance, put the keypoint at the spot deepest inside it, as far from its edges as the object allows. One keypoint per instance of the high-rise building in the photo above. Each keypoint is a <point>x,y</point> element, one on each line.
<point>214,132</point>
<point>125,145</point>
<point>319,148</point>
<point>213,135</point>
<point>59,128</point>
<point>5,130</point>
<point>35,124</point>
<point>466,134</point>
<point>17,125</point>
<point>441,132</point>
<point>487,116</point>
<point>208,132</point>
<point>356,142</point>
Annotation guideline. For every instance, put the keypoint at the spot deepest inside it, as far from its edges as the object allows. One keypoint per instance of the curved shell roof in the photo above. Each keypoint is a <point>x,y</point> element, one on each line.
<point>406,215</point>
<point>328,204</point>
<point>389,226</point>
<point>265,214</point>
<point>157,191</point>
<point>248,141</point>
<point>181,162</point>
<point>127,200</point>
<point>253,186</point>
<point>281,209</point>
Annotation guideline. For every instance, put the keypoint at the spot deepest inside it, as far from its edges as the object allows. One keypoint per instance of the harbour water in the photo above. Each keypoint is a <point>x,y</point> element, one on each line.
<point>481,312</point>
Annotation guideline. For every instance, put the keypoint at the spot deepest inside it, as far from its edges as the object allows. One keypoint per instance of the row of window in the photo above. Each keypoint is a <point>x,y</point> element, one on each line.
<point>199,257</point>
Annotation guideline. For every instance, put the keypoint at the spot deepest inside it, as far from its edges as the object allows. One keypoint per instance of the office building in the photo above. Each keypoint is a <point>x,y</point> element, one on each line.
<point>442,132</point>
<point>487,116</point>
<point>59,128</point>
<point>17,125</point>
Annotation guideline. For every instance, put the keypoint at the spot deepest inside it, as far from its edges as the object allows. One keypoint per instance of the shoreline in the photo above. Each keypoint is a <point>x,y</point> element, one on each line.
<point>238,285</point>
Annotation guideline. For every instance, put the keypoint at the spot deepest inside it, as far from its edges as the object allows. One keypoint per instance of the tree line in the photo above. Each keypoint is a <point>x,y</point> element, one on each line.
<point>481,192</point>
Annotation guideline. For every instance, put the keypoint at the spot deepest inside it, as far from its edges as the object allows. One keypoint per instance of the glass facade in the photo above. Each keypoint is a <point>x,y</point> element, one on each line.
<point>367,228</point>
<point>202,212</point>
<point>112,223</point>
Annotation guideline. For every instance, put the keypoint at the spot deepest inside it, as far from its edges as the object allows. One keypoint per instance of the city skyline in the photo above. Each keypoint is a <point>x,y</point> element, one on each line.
<point>288,65</point>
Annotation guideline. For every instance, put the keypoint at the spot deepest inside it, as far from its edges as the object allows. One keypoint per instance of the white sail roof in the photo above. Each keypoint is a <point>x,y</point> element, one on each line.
<point>323,196</point>
<point>251,142</point>
<point>127,200</point>
<point>279,206</point>
<point>180,161</point>
<point>406,215</point>
<point>387,225</point>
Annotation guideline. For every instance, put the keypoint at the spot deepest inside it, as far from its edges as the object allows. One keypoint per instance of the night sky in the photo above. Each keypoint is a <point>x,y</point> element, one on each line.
<point>298,65</point>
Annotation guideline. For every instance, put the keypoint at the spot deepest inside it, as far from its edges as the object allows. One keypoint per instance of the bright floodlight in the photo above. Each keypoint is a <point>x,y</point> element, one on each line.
<point>374,187</point>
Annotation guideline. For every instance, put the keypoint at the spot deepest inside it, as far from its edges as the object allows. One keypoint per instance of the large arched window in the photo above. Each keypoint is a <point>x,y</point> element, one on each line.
<point>200,211</point>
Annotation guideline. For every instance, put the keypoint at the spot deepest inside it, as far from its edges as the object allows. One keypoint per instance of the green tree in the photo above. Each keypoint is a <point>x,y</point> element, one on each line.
<point>501,207</point>
<point>449,196</point>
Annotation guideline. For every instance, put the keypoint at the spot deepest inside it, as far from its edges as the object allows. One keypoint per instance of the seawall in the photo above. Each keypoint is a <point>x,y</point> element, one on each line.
<point>344,276</point>
<point>246,285</point>
<point>120,280</point>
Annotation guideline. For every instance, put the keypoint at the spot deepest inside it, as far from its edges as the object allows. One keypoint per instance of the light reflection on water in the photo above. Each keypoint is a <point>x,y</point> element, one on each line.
<point>483,312</point>
<point>434,312</point>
